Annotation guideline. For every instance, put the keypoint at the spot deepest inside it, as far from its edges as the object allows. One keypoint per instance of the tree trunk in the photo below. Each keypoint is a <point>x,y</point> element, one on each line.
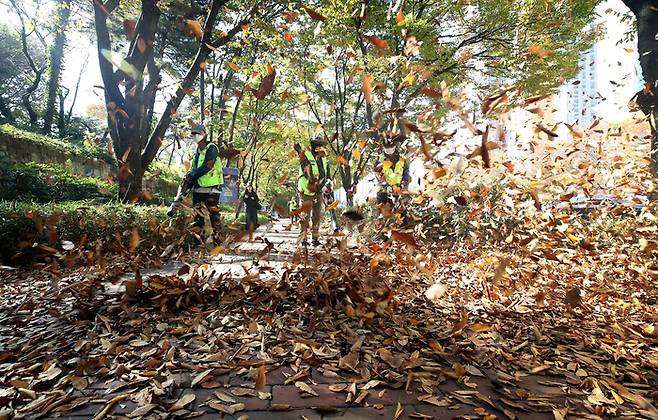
<point>32,114</point>
<point>654,143</point>
<point>231,129</point>
<point>646,13</point>
<point>75,92</point>
<point>5,111</point>
<point>346,179</point>
<point>202,94</point>
<point>212,99</point>
<point>55,63</point>
<point>61,119</point>
<point>38,71</point>
<point>129,117</point>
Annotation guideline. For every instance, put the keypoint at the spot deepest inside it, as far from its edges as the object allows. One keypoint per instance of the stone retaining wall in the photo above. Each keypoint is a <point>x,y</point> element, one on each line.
<point>18,150</point>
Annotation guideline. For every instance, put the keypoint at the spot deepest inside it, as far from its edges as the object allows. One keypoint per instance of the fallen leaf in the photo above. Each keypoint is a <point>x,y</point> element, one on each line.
<point>377,42</point>
<point>184,400</point>
<point>304,387</point>
<point>200,377</point>
<point>403,237</point>
<point>435,291</point>
<point>260,378</point>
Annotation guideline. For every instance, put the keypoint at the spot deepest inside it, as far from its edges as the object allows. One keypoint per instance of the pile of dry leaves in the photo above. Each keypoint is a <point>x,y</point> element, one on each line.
<point>550,308</point>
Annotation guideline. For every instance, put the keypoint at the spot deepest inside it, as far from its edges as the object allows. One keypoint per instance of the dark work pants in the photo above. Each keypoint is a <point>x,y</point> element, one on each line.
<point>251,218</point>
<point>211,202</point>
<point>384,198</point>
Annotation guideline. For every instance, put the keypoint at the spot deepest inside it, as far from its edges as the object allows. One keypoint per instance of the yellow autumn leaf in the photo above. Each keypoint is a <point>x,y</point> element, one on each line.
<point>407,81</point>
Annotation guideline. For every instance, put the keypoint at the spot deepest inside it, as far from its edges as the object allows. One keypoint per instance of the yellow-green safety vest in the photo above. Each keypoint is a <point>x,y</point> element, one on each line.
<point>213,177</point>
<point>394,173</point>
<point>302,184</point>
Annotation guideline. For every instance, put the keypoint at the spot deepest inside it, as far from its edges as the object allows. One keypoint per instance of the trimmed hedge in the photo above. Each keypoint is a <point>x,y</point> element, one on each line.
<point>30,233</point>
<point>49,182</point>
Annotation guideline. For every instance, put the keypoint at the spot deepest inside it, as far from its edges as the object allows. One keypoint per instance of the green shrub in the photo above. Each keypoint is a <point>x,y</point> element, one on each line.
<point>49,182</point>
<point>28,230</point>
<point>38,182</point>
<point>160,169</point>
<point>86,149</point>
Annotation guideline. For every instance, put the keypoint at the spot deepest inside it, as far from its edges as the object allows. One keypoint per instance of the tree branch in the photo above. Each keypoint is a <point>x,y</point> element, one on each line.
<point>204,50</point>
<point>103,42</point>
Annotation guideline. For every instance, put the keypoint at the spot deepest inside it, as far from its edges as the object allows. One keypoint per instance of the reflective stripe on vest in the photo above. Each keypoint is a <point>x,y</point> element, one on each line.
<point>393,174</point>
<point>214,177</point>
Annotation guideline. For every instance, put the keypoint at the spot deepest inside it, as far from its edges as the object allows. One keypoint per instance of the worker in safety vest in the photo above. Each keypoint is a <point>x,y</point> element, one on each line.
<point>393,174</point>
<point>313,174</point>
<point>207,179</point>
<point>292,206</point>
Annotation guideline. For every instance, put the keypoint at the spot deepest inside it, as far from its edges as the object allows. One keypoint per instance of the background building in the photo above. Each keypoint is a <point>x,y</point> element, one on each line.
<point>580,94</point>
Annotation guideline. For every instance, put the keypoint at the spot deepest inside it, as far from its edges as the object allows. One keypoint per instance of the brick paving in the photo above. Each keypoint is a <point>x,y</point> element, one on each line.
<point>280,400</point>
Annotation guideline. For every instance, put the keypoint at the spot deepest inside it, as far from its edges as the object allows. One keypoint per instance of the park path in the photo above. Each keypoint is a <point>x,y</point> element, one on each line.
<point>280,234</point>
<point>329,398</point>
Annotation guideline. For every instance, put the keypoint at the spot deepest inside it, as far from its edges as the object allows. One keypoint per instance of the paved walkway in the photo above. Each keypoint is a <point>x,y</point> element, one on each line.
<point>273,245</point>
<point>308,392</point>
<point>231,397</point>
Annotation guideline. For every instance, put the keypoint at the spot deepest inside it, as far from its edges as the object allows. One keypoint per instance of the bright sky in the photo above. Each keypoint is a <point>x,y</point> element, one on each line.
<point>618,63</point>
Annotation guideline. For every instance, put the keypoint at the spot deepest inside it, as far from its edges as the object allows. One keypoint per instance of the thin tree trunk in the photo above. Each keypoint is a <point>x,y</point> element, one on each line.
<point>233,118</point>
<point>61,117</point>
<point>55,62</point>
<point>202,94</point>
<point>654,143</point>
<point>38,72</point>
<point>27,103</point>
<point>75,92</point>
<point>212,99</point>
<point>156,137</point>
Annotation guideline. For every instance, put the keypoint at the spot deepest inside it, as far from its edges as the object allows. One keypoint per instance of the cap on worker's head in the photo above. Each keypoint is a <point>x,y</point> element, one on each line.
<point>318,141</point>
<point>198,129</point>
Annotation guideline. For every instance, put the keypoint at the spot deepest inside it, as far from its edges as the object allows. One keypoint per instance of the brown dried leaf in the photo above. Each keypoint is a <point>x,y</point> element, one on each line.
<point>260,378</point>
<point>304,387</point>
